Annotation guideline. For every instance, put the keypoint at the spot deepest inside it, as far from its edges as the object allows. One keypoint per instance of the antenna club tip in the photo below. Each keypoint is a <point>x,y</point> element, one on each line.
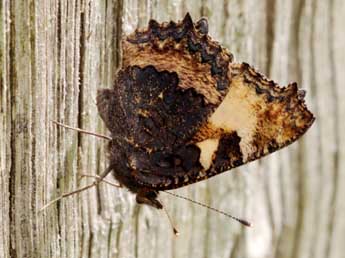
<point>176,233</point>
<point>246,223</point>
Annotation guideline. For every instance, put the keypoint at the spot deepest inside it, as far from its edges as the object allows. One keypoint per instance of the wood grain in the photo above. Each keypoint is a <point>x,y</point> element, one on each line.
<point>54,55</point>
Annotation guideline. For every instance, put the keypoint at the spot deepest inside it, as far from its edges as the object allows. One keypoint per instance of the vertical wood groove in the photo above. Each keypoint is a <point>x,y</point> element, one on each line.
<point>313,91</point>
<point>53,58</point>
<point>33,125</point>
<point>12,171</point>
<point>270,34</point>
<point>335,155</point>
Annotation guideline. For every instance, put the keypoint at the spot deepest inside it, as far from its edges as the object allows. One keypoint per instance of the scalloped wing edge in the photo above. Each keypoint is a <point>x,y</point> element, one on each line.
<point>256,118</point>
<point>185,48</point>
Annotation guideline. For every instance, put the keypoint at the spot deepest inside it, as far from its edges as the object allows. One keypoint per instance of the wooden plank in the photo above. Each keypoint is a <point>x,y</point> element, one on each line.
<point>55,55</point>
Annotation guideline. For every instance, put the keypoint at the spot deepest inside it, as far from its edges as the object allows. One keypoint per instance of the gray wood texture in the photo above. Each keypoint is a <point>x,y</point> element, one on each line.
<point>54,55</point>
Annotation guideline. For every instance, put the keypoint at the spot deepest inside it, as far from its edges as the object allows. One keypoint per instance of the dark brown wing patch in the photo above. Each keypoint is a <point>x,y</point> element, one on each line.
<point>159,114</point>
<point>200,62</point>
<point>109,108</point>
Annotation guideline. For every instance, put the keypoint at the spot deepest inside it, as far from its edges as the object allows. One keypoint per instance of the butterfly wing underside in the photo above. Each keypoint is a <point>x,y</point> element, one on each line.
<point>257,117</point>
<point>181,111</point>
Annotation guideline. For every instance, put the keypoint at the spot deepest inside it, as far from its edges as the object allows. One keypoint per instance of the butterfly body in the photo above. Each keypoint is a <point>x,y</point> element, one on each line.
<point>181,111</point>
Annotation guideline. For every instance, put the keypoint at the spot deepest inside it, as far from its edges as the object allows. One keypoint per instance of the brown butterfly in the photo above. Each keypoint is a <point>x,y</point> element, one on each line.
<point>181,111</point>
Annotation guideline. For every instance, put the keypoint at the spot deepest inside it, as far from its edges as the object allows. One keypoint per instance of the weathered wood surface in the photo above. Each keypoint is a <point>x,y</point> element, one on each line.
<point>53,57</point>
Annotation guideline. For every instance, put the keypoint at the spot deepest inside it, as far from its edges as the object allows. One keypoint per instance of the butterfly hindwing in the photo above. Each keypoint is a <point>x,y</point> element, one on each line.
<point>156,119</point>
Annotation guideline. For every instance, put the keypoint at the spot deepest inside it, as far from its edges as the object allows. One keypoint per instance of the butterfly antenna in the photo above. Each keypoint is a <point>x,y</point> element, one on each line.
<point>99,179</point>
<point>242,221</point>
<point>82,131</point>
<point>175,231</point>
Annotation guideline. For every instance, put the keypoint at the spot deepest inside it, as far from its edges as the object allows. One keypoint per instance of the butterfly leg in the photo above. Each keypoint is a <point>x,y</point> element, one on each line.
<point>149,197</point>
<point>99,179</point>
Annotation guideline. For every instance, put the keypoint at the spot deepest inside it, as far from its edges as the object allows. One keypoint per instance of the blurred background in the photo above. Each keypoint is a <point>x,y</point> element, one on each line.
<point>54,55</point>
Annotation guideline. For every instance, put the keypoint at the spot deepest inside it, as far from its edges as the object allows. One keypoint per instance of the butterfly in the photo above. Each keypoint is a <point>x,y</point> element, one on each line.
<point>181,110</point>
